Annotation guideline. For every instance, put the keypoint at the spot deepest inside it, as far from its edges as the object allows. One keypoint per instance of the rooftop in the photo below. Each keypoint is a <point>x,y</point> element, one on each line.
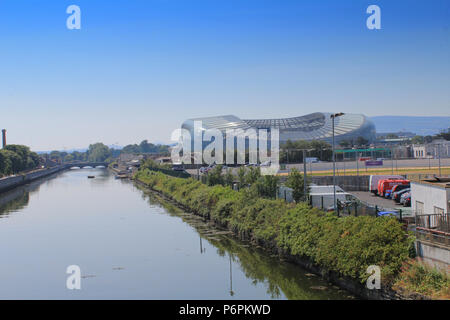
<point>436,181</point>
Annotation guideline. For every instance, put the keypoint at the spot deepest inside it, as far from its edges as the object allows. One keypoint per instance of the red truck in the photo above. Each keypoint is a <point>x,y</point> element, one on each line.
<point>388,184</point>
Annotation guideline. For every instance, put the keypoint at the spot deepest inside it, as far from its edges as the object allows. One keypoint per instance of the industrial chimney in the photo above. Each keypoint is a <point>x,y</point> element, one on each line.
<point>4,137</point>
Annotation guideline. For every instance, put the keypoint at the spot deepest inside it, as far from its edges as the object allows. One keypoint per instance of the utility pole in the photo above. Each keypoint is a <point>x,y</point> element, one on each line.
<point>357,164</point>
<point>392,159</point>
<point>439,158</point>
<point>333,116</point>
<point>304,173</point>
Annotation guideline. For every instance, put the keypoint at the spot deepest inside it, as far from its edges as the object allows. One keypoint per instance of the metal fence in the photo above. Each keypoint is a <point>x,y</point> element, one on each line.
<point>433,227</point>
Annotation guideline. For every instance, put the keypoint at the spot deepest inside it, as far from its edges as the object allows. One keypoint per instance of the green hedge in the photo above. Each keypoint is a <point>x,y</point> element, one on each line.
<point>346,245</point>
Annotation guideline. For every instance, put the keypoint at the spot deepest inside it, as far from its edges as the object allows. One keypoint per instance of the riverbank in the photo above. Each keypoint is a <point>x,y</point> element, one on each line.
<point>12,182</point>
<point>340,250</point>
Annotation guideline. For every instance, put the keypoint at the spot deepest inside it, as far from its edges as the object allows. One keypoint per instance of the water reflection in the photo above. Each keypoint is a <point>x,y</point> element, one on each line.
<point>281,279</point>
<point>16,199</point>
<point>130,244</point>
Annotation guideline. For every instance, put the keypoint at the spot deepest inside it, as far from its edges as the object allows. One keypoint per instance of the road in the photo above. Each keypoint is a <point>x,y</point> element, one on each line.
<point>351,165</point>
<point>387,164</point>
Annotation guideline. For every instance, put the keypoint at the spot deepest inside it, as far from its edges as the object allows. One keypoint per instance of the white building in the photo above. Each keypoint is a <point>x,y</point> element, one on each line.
<point>431,196</point>
<point>432,150</point>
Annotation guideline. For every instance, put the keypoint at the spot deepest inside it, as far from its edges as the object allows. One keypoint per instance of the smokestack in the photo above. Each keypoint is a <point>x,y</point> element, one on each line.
<point>4,137</point>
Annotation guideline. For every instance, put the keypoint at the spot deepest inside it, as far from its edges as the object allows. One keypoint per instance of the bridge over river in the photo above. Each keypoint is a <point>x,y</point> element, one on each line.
<point>86,164</point>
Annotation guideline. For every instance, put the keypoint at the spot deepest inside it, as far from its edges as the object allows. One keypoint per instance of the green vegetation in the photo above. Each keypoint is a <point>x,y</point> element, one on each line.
<point>345,245</point>
<point>97,152</point>
<point>150,164</point>
<point>261,186</point>
<point>296,181</point>
<point>16,158</point>
<point>418,277</point>
<point>145,147</point>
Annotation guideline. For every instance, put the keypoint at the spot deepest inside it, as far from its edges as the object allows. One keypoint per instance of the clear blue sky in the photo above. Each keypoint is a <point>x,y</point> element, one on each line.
<point>137,69</point>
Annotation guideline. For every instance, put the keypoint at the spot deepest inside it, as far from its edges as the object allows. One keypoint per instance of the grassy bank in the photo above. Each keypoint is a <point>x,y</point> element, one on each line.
<point>343,245</point>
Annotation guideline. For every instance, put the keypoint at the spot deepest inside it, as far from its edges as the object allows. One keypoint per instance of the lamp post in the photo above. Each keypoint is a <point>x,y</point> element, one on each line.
<point>439,158</point>
<point>333,116</point>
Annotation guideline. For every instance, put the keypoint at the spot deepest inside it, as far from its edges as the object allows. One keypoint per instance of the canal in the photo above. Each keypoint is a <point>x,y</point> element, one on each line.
<point>130,244</point>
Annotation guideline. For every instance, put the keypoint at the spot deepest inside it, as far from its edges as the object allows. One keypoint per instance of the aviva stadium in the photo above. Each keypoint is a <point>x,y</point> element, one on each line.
<point>314,126</point>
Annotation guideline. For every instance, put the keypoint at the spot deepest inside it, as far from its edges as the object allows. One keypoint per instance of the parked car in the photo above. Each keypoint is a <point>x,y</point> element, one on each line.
<point>207,168</point>
<point>394,189</point>
<point>400,187</point>
<point>396,196</point>
<point>407,202</point>
<point>178,167</point>
<point>404,197</point>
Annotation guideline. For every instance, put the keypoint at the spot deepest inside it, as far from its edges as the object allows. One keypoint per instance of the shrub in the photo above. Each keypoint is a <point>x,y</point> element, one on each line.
<point>419,277</point>
<point>345,245</point>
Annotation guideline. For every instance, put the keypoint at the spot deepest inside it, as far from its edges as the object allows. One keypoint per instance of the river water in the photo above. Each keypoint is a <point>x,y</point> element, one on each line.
<point>130,244</point>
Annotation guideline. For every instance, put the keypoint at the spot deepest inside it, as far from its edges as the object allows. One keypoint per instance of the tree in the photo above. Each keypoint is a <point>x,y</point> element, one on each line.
<point>215,176</point>
<point>267,186</point>
<point>241,176</point>
<point>444,135</point>
<point>69,158</point>
<point>296,182</point>
<point>98,152</point>
<point>5,162</point>
<point>361,141</point>
<point>252,175</point>
<point>145,147</point>
<point>228,179</point>
<point>417,140</point>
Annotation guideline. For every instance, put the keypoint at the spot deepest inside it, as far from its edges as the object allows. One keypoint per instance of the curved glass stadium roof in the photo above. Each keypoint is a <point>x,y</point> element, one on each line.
<point>314,126</point>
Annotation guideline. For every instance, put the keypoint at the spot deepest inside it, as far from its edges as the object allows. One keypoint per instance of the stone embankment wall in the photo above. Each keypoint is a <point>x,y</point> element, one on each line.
<point>17,180</point>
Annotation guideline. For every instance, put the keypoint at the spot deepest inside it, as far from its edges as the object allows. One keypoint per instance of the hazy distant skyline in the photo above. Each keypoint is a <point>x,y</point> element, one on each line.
<point>137,69</point>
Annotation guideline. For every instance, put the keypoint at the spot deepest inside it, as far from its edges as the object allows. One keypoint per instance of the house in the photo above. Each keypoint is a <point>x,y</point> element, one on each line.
<point>430,196</point>
<point>435,149</point>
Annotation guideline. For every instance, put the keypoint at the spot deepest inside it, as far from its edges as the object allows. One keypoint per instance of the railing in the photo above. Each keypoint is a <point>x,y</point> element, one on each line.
<point>439,222</point>
<point>433,227</point>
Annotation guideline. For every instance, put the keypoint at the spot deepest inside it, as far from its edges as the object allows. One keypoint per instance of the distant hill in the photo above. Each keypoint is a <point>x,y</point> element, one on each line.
<point>419,125</point>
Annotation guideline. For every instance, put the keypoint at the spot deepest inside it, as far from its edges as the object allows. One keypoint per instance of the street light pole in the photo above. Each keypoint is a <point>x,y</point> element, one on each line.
<point>304,174</point>
<point>439,157</point>
<point>333,116</point>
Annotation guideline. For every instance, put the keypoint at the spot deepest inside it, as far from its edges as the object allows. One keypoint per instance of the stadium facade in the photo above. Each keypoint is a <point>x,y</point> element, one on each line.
<point>314,126</point>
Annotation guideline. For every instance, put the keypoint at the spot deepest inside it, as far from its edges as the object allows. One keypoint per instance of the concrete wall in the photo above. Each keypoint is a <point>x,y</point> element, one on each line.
<point>434,254</point>
<point>348,183</point>
<point>14,181</point>
<point>430,196</point>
